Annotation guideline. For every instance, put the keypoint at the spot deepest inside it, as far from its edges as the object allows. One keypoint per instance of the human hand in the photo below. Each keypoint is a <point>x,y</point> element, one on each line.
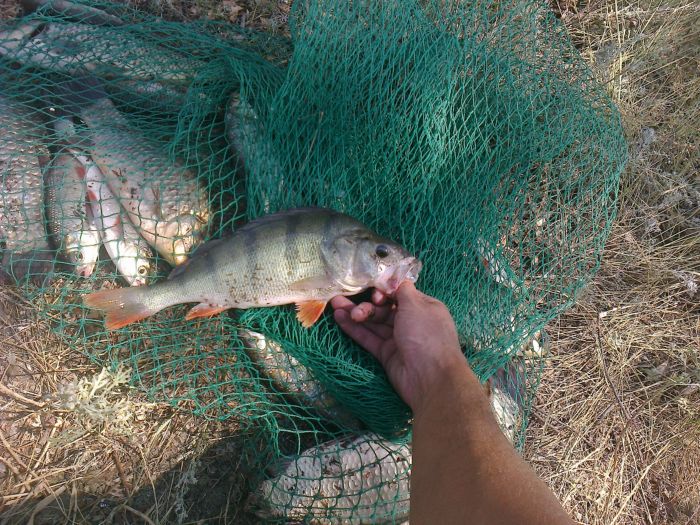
<point>413,336</point>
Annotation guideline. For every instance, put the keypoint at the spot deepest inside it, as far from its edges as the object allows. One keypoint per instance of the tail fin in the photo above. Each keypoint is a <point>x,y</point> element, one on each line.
<point>123,306</point>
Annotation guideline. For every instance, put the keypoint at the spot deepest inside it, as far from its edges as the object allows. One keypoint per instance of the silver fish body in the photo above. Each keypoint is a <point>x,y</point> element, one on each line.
<point>70,222</point>
<point>163,199</point>
<point>129,252</point>
<point>78,49</point>
<point>356,480</point>
<point>295,380</point>
<point>22,155</point>
<point>303,256</point>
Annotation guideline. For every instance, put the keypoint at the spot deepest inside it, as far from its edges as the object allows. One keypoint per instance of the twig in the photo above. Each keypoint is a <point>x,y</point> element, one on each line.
<point>14,455</point>
<point>120,471</point>
<point>20,397</point>
<point>45,503</point>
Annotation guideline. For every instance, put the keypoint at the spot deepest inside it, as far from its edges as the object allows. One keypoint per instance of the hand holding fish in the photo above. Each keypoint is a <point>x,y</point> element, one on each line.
<point>462,463</point>
<point>413,336</point>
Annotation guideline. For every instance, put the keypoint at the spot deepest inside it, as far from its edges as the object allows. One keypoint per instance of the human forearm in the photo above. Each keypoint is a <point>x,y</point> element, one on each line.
<point>465,471</point>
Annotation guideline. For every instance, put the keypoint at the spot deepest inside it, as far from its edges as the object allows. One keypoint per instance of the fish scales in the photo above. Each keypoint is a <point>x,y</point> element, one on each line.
<point>295,380</point>
<point>360,480</point>
<point>304,256</point>
<point>69,223</point>
<point>253,269</point>
<point>163,199</point>
<point>21,198</point>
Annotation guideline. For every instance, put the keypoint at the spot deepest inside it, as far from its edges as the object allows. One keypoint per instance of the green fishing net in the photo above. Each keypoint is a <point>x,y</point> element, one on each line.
<point>471,132</point>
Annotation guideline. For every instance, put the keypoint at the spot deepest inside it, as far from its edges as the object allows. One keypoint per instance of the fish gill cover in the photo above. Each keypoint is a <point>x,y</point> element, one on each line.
<point>472,133</point>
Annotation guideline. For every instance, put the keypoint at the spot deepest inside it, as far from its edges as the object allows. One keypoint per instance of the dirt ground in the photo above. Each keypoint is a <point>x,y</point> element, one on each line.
<point>615,429</point>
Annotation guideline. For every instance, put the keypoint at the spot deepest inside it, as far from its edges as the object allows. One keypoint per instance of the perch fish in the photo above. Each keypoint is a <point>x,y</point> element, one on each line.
<point>363,479</point>
<point>304,256</point>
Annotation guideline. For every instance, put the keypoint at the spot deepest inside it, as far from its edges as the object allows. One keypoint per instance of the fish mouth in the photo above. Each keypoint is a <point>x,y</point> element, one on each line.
<point>85,270</point>
<point>389,280</point>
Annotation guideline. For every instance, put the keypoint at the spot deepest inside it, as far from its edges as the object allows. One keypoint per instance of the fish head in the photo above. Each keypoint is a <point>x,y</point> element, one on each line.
<point>360,259</point>
<point>82,251</point>
<point>134,264</point>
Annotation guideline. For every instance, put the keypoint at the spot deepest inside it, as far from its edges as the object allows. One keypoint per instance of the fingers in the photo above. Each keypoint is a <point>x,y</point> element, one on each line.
<point>359,333</point>
<point>369,312</point>
<point>342,302</point>
<point>379,297</point>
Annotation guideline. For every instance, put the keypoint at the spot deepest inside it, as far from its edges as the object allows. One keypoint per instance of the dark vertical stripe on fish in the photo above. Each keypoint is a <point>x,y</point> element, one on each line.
<point>291,247</point>
<point>331,219</point>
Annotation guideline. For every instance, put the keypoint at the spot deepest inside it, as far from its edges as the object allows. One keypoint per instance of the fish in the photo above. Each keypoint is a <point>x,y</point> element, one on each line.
<point>357,479</point>
<point>23,238</point>
<point>303,256</point>
<point>163,199</point>
<point>70,220</point>
<point>130,254</point>
<point>109,52</point>
<point>295,380</point>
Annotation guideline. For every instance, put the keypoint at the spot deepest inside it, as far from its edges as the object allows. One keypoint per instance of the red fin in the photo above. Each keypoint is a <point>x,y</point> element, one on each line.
<point>204,310</point>
<point>308,312</point>
<point>123,306</point>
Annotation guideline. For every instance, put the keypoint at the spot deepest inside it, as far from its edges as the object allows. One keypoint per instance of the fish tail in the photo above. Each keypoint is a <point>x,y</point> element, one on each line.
<point>122,306</point>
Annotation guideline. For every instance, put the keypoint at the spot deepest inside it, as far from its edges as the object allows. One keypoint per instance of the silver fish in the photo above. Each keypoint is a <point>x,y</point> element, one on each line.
<point>22,155</point>
<point>304,257</point>
<point>163,199</point>
<point>70,220</point>
<point>356,480</point>
<point>295,380</point>
<point>78,49</point>
<point>129,252</point>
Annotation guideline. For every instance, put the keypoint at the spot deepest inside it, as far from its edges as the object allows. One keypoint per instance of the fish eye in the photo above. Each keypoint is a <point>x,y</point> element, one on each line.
<point>142,270</point>
<point>382,251</point>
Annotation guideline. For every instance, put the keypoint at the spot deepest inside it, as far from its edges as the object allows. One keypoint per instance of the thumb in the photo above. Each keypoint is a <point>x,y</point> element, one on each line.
<point>407,293</point>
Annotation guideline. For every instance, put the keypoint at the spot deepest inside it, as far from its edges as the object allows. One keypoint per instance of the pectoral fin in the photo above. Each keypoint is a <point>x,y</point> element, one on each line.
<point>308,312</point>
<point>204,310</point>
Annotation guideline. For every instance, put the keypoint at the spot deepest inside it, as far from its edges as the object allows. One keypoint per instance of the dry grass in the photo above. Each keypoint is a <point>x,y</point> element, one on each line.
<point>616,426</point>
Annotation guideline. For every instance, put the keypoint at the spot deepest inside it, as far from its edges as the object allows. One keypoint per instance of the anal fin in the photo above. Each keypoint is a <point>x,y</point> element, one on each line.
<point>308,312</point>
<point>204,310</point>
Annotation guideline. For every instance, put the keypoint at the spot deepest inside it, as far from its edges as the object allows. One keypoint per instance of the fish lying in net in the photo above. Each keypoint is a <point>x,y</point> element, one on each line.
<point>304,256</point>
<point>78,49</point>
<point>363,479</point>
<point>23,239</point>
<point>70,222</point>
<point>129,252</point>
<point>162,198</point>
<point>295,380</point>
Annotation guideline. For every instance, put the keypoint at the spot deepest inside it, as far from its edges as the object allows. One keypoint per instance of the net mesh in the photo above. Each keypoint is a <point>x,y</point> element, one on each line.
<point>471,132</point>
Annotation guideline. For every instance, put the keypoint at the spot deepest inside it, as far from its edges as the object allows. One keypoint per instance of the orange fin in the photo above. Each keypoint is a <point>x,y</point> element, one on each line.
<point>308,312</point>
<point>204,310</point>
<point>123,306</point>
